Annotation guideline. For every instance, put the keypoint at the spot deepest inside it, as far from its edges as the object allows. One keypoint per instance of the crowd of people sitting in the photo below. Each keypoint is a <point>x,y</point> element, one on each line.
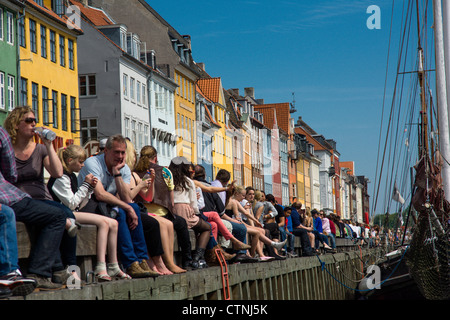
<point>137,206</point>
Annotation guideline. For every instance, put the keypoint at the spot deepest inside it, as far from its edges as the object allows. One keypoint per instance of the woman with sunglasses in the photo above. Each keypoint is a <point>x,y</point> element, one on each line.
<point>31,159</point>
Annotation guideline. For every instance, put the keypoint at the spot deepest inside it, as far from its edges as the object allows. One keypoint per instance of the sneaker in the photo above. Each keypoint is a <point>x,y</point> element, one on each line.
<point>18,285</point>
<point>73,229</point>
<point>278,245</point>
<point>43,283</point>
<point>5,292</point>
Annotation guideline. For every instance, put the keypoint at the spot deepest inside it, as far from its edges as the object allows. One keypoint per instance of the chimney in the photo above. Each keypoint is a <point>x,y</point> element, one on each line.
<point>201,65</point>
<point>235,92</point>
<point>250,92</point>
<point>188,40</point>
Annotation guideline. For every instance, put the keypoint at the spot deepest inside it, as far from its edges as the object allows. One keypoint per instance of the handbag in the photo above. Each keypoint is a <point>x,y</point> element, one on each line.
<point>102,208</point>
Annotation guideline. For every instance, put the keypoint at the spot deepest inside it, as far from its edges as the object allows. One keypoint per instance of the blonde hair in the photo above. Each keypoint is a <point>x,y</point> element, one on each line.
<point>71,152</point>
<point>147,153</point>
<point>131,156</point>
<point>258,195</point>
<point>13,120</point>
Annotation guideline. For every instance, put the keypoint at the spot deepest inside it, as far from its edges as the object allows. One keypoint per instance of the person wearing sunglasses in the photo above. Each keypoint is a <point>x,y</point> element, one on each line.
<point>31,160</point>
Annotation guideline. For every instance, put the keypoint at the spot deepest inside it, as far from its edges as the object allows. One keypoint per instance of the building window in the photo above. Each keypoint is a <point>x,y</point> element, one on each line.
<point>11,93</point>
<point>1,24</point>
<point>73,114</point>
<point>35,99</point>
<point>22,40</point>
<point>9,28</point>
<point>144,95</point>
<point>89,130</point>
<point>33,36</point>
<point>88,85</point>
<point>125,85</point>
<point>127,126</point>
<point>43,42</point>
<point>52,46</point>
<point>138,92</point>
<point>2,87</point>
<point>63,112</point>
<point>133,132</point>
<point>55,108</point>
<point>71,54</point>
<point>132,88</point>
<point>23,91</point>
<point>45,110</point>
<point>62,51</point>
<point>58,7</point>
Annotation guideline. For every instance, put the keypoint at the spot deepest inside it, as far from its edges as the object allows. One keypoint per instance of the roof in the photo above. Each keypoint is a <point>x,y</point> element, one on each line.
<point>282,114</point>
<point>97,16</point>
<point>49,13</point>
<point>270,116</point>
<point>210,88</point>
<point>210,117</point>
<point>317,145</point>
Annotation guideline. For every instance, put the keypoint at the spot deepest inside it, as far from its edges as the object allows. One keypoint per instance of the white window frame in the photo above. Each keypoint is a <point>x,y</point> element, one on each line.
<point>1,24</point>
<point>2,90</point>
<point>138,92</point>
<point>9,28</point>
<point>11,92</point>
<point>132,89</point>
<point>144,95</point>
<point>88,84</point>
<point>125,86</point>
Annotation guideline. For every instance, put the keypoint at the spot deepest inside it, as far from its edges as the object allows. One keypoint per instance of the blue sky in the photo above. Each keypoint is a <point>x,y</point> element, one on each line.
<point>321,50</point>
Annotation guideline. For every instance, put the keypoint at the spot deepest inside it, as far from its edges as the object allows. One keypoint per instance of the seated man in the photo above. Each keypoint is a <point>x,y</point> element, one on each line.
<point>113,177</point>
<point>299,230</point>
<point>49,221</point>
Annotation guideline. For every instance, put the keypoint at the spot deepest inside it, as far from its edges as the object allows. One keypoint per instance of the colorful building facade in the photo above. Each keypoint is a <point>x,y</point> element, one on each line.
<point>49,70</point>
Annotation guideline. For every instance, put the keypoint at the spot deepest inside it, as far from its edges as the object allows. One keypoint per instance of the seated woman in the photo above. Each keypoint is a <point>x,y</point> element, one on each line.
<point>65,190</point>
<point>185,205</point>
<point>142,191</point>
<point>235,210</point>
<point>31,160</point>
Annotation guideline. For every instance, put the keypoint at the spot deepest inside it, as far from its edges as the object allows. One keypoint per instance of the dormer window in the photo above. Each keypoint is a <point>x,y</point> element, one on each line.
<point>133,45</point>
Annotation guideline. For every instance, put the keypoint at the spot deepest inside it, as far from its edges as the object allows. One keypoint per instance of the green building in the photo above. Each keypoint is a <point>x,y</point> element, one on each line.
<point>9,13</point>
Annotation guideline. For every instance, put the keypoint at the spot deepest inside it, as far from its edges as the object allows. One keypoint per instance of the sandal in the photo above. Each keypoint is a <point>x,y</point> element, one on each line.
<point>115,272</point>
<point>102,277</point>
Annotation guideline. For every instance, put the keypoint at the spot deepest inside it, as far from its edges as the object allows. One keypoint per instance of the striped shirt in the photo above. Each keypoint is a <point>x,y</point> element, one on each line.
<point>9,194</point>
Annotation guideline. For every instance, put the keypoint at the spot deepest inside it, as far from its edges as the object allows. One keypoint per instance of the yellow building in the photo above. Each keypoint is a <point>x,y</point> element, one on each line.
<point>222,152</point>
<point>185,115</point>
<point>48,70</point>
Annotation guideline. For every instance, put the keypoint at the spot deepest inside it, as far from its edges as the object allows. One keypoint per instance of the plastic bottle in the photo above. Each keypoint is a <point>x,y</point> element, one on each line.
<point>45,133</point>
<point>146,176</point>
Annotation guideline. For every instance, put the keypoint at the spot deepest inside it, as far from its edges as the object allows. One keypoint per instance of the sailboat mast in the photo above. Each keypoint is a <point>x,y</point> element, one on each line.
<point>423,138</point>
<point>444,145</point>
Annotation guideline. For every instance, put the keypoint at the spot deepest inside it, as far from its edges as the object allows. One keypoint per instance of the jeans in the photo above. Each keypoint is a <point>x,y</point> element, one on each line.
<point>304,239</point>
<point>291,239</point>
<point>130,243</point>
<point>50,223</point>
<point>240,233</point>
<point>332,240</point>
<point>68,247</point>
<point>8,241</point>
<point>319,237</point>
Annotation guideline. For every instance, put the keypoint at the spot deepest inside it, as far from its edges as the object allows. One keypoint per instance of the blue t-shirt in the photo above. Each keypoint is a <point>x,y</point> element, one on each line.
<point>97,166</point>
<point>318,225</point>
<point>295,217</point>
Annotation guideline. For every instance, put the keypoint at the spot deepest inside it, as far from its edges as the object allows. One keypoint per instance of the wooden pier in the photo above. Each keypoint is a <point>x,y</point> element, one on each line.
<point>323,277</point>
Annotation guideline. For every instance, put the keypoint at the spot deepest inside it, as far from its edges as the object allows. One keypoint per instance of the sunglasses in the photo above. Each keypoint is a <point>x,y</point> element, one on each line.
<point>30,120</point>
